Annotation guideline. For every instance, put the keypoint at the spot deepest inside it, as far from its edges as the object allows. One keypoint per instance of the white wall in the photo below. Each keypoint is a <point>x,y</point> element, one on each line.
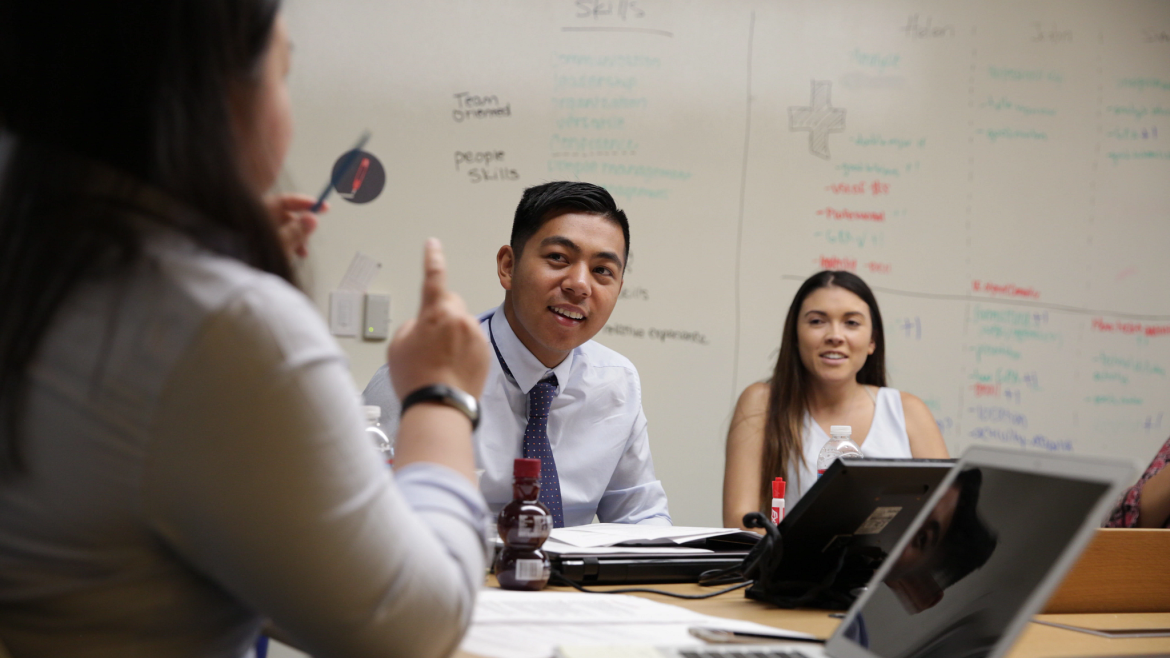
<point>1021,152</point>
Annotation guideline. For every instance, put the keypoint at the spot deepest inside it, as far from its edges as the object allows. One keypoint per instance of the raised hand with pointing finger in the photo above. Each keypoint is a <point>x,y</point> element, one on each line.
<point>440,350</point>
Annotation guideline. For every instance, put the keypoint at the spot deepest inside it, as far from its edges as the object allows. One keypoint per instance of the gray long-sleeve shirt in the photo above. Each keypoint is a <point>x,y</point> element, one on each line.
<point>197,461</point>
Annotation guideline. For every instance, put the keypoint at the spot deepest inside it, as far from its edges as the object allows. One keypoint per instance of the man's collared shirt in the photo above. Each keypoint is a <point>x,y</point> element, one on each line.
<point>596,429</point>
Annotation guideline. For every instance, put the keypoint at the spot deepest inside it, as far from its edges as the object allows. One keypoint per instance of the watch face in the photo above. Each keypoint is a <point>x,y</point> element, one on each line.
<point>469,403</point>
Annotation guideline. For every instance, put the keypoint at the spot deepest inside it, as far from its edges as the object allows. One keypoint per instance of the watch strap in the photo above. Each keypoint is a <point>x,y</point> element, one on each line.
<point>444,394</point>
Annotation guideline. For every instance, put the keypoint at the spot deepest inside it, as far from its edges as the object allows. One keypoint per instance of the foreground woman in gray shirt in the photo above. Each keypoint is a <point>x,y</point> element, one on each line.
<point>181,449</point>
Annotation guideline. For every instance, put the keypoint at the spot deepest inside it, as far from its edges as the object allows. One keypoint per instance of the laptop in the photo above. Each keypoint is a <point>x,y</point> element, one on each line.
<point>654,562</point>
<point>859,507</point>
<point>979,560</point>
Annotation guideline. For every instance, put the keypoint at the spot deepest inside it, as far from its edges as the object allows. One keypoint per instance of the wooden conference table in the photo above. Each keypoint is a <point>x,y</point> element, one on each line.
<point>1124,573</point>
<point>1037,641</point>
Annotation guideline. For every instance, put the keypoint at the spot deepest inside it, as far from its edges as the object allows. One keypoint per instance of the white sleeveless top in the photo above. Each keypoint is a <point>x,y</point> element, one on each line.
<point>887,438</point>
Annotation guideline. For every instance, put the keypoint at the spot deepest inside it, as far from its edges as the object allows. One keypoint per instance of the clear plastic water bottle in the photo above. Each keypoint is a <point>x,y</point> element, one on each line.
<point>839,446</point>
<point>374,431</point>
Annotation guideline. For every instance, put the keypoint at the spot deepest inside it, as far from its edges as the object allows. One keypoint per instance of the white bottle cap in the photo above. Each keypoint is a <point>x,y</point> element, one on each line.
<point>373,412</point>
<point>839,430</point>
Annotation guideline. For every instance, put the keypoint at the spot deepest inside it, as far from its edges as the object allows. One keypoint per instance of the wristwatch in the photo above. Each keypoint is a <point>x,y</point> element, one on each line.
<point>448,395</point>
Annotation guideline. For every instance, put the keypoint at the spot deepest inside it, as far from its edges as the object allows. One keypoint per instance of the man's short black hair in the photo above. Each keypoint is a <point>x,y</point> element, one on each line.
<point>551,200</point>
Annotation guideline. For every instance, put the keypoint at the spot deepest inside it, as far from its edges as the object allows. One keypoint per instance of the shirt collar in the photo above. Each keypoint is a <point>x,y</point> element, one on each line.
<point>526,369</point>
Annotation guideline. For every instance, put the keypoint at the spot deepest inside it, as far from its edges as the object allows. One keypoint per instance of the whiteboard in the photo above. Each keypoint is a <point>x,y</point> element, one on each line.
<point>999,172</point>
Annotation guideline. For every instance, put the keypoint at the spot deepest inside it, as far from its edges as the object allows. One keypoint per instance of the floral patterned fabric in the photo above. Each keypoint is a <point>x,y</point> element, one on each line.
<point>1125,515</point>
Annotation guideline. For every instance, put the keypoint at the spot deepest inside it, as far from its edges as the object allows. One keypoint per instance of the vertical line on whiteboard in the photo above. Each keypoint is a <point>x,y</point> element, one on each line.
<point>747,133</point>
<point>1076,415</point>
<point>1096,160</point>
<point>970,282</point>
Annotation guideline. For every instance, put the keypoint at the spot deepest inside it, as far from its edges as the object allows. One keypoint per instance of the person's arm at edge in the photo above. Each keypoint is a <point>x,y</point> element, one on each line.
<point>926,441</point>
<point>1155,501</point>
<point>383,556</point>
<point>370,586</point>
<point>1131,506</point>
<point>745,450</point>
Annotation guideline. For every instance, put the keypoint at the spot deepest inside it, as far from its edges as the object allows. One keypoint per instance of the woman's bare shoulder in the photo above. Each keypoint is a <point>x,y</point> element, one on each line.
<point>754,398</point>
<point>912,404</point>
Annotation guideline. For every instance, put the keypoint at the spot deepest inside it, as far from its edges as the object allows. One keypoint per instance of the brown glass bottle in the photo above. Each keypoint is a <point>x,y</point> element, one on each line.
<point>524,524</point>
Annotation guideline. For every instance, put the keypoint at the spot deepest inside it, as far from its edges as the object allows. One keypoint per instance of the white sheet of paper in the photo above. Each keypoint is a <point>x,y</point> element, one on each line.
<point>541,640</point>
<point>608,534</point>
<point>560,547</point>
<point>532,624</point>
<point>360,274</point>
<point>498,606</point>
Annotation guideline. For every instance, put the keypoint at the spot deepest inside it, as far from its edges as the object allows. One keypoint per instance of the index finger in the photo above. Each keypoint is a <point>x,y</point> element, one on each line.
<point>434,273</point>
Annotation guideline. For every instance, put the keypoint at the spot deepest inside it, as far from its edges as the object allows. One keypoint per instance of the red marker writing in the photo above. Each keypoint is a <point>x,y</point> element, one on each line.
<point>360,175</point>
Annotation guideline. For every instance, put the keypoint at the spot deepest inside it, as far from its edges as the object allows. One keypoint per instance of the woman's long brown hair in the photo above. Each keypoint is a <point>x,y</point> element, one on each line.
<point>788,388</point>
<point>138,86</point>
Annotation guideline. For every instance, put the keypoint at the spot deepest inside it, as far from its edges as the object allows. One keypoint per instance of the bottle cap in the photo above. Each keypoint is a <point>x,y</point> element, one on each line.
<point>526,468</point>
<point>373,412</point>
<point>837,430</point>
<point>778,488</point>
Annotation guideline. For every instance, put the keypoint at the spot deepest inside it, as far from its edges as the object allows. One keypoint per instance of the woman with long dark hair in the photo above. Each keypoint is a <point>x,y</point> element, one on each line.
<point>181,449</point>
<point>831,371</point>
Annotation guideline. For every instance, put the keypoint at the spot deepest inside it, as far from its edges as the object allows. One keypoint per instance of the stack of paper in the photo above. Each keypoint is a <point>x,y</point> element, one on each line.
<point>532,624</point>
<point>612,534</point>
<point>626,539</point>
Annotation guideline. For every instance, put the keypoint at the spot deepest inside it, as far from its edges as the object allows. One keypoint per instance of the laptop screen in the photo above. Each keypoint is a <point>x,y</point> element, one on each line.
<point>972,564</point>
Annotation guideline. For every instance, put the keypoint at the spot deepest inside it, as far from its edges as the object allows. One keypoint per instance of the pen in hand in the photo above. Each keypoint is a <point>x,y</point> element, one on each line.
<point>349,159</point>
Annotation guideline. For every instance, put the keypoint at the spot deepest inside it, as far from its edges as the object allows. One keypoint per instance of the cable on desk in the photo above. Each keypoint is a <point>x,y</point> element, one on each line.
<point>646,590</point>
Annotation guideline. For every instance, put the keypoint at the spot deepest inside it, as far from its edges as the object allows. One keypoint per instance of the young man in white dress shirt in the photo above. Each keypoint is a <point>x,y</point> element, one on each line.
<point>561,273</point>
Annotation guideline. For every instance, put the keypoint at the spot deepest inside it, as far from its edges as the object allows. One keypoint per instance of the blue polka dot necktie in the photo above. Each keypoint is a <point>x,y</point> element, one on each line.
<point>536,446</point>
